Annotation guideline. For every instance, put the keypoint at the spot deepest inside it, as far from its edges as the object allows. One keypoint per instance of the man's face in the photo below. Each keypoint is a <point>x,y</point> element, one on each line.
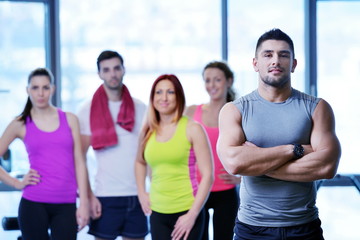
<point>274,62</point>
<point>112,73</point>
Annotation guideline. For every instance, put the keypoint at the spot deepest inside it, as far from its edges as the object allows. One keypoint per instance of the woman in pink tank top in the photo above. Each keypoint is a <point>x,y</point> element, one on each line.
<point>57,167</point>
<point>223,199</point>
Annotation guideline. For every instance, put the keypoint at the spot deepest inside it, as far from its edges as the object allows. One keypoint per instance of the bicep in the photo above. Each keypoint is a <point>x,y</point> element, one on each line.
<point>75,129</point>
<point>84,139</point>
<point>324,142</point>
<point>85,143</point>
<point>323,136</point>
<point>142,144</point>
<point>230,130</point>
<point>15,129</point>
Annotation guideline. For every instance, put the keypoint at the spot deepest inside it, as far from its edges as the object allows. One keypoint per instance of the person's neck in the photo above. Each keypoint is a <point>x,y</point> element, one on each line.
<point>166,119</point>
<point>46,111</point>
<point>113,95</point>
<point>216,104</point>
<point>275,94</point>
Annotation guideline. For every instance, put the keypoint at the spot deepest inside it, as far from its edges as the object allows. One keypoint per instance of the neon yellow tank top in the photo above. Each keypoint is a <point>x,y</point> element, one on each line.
<point>173,183</point>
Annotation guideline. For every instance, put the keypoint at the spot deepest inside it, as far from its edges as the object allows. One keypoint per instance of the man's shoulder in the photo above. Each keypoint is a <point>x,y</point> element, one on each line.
<point>247,97</point>
<point>84,108</point>
<point>138,103</point>
<point>304,96</point>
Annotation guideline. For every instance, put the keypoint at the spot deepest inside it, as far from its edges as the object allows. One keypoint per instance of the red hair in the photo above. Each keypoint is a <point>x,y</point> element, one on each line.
<point>153,118</point>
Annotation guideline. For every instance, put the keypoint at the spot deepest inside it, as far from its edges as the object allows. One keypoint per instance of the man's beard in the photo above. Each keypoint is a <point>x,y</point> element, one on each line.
<point>276,84</point>
<point>116,87</point>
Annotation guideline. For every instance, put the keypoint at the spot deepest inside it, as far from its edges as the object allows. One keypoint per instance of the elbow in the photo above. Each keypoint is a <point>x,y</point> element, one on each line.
<point>333,163</point>
<point>231,164</point>
<point>207,181</point>
<point>231,167</point>
<point>235,169</point>
<point>330,171</point>
<point>209,177</point>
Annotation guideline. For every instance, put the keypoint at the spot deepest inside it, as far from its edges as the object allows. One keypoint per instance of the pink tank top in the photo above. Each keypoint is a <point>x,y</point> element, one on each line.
<point>52,155</point>
<point>213,135</point>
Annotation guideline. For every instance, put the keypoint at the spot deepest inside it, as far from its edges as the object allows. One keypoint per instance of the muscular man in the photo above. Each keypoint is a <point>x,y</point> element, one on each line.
<point>281,140</point>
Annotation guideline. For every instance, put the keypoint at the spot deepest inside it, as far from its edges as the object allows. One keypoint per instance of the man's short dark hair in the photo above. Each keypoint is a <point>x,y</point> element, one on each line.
<point>107,54</point>
<point>275,34</point>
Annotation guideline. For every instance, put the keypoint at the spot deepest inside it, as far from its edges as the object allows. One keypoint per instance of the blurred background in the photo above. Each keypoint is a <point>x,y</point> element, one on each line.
<point>181,37</point>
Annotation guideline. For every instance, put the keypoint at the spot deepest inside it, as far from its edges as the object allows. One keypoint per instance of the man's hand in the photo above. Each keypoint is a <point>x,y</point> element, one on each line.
<point>95,207</point>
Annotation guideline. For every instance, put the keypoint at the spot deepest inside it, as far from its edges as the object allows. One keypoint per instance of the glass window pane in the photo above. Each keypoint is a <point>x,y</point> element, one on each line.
<point>22,47</point>
<point>339,212</point>
<point>338,83</point>
<point>247,21</point>
<point>154,37</point>
<point>339,73</point>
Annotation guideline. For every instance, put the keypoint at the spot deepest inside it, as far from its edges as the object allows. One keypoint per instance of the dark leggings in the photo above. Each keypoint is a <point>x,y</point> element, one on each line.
<point>225,205</point>
<point>162,225</point>
<point>36,218</point>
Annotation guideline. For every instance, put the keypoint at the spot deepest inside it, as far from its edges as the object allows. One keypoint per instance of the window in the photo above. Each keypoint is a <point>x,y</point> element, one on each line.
<point>180,37</point>
<point>22,49</point>
<point>339,73</point>
<point>338,83</point>
<point>154,37</point>
<point>247,21</point>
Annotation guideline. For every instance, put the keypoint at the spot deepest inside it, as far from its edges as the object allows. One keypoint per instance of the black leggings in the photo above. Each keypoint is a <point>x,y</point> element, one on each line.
<point>36,218</point>
<point>225,205</point>
<point>162,225</point>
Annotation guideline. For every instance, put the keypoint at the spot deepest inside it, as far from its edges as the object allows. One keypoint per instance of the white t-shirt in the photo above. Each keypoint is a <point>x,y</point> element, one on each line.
<point>115,175</point>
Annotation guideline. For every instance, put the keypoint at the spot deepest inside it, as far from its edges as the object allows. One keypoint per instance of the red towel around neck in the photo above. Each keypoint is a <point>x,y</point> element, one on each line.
<point>102,126</point>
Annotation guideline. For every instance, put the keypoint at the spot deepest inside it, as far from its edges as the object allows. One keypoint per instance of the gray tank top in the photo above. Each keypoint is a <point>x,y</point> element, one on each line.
<point>266,201</point>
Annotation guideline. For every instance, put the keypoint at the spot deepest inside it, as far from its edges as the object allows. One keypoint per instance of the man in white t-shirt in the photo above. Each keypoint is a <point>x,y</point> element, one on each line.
<point>110,123</point>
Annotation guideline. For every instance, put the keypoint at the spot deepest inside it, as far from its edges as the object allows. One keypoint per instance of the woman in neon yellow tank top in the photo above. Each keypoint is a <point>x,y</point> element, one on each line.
<point>171,145</point>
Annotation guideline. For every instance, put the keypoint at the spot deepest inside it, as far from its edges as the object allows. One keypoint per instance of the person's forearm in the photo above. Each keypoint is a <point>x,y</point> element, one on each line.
<point>320,163</point>
<point>140,174</point>
<point>254,161</point>
<point>6,178</point>
<point>82,181</point>
<point>202,194</point>
<point>311,167</point>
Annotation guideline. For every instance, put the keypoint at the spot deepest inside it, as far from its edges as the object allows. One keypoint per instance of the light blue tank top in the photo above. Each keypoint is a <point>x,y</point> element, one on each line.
<point>266,201</point>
